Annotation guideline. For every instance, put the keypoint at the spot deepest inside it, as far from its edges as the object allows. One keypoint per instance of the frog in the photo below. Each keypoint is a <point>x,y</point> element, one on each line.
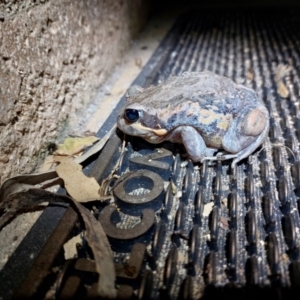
<point>211,115</point>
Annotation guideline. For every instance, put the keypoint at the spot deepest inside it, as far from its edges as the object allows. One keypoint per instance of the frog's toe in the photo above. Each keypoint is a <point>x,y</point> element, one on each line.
<point>244,153</point>
<point>202,160</point>
<point>221,153</point>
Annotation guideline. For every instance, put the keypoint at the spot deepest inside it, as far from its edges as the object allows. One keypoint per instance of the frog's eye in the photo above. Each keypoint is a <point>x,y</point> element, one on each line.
<point>132,115</point>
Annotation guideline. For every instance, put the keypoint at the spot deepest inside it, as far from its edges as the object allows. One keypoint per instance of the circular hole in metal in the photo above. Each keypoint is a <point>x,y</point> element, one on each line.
<point>138,185</point>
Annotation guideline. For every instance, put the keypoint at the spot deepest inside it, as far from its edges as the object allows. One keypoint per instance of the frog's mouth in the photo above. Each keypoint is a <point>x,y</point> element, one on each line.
<point>140,128</point>
<point>136,129</point>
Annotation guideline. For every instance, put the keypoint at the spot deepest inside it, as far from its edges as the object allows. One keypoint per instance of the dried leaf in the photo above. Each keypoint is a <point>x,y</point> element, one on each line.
<point>99,244</point>
<point>23,182</point>
<point>18,194</point>
<point>96,148</point>
<point>207,209</point>
<point>174,188</point>
<point>70,247</point>
<point>79,187</point>
<point>280,73</point>
<point>282,90</point>
<point>48,163</point>
<point>73,146</point>
<point>250,74</point>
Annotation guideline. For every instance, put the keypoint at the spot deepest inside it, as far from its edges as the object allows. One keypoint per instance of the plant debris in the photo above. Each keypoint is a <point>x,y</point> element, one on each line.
<point>224,223</point>
<point>73,146</point>
<point>21,193</point>
<point>250,74</point>
<point>70,250</point>
<point>281,72</point>
<point>80,187</point>
<point>208,207</point>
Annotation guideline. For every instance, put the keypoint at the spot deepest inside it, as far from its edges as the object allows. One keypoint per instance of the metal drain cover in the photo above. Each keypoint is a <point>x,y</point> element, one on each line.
<point>216,231</point>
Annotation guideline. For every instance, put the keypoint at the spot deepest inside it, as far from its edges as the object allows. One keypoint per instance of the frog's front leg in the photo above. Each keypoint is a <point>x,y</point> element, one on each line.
<point>246,133</point>
<point>194,144</point>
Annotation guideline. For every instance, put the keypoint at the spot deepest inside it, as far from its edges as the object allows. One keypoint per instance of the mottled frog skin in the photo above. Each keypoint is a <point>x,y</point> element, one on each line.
<point>202,110</point>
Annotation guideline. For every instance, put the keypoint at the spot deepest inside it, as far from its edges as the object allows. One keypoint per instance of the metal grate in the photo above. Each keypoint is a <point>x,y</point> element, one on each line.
<point>231,231</point>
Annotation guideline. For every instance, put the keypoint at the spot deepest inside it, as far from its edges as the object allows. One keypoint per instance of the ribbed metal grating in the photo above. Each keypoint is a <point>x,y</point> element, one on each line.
<point>260,198</point>
<point>231,231</point>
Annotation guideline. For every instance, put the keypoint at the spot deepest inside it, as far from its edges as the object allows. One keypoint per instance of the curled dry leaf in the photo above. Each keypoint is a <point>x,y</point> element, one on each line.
<point>96,148</point>
<point>73,146</point>
<point>281,72</point>
<point>174,188</point>
<point>79,187</point>
<point>48,163</point>
<point>99,244</point>
<point>250,74</point>
<point>207,209</point>
<point>23,182</point>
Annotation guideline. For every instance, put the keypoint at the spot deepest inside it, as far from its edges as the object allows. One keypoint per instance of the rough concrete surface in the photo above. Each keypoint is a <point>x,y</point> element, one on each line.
<point>53,57</point>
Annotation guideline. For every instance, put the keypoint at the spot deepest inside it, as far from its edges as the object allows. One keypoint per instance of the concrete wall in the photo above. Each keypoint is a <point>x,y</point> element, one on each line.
<point>53,56</point>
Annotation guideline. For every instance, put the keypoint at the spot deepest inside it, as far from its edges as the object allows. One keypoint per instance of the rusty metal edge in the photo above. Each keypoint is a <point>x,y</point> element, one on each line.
<point>22,260</point>
<point>43,263</point>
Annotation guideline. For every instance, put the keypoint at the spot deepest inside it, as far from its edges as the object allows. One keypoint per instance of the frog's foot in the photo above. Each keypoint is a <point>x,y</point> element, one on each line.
<point>194,144</point>
<point>245,153</point>
<point>246,133</point>
<point>222,153</point>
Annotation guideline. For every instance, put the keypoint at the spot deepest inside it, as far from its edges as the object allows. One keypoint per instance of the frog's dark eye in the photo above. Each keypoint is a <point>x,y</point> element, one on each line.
<point>132,115</point>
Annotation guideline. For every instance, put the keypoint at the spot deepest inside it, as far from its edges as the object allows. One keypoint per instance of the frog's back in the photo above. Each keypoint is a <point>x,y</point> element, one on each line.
<point>206,88</point>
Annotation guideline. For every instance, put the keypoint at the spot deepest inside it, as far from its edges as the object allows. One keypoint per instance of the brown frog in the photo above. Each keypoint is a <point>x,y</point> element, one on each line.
<point>204,111</point>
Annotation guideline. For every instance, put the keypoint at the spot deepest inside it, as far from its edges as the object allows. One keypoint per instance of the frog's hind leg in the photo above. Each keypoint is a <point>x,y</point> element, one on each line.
<point>194,144</point>
<point>250,149</point>
<point>246,134</point>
